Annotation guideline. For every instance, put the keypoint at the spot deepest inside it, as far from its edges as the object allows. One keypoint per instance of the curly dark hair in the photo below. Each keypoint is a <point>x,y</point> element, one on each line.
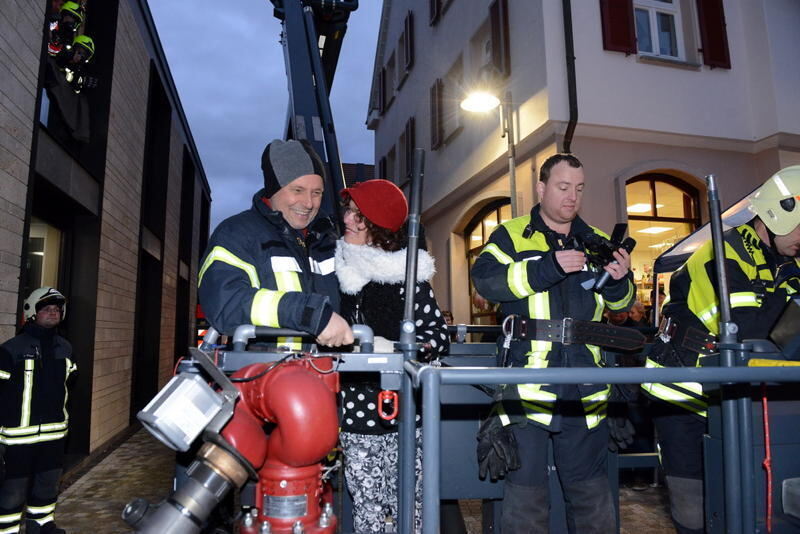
<point>380,237</point>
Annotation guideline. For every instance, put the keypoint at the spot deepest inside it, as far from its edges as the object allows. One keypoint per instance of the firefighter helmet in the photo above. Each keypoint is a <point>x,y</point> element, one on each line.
<point>777,202</point>
<point>42,297</point>
<point>75,10</point>
<point>87,44</point>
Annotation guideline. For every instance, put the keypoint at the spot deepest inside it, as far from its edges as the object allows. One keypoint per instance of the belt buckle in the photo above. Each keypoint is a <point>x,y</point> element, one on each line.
<point>566,331</point>
<point>667,329</point>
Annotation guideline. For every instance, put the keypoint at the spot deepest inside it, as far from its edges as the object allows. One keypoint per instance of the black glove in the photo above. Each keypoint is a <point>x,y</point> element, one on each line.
<point>497,449</point>
<point>620,433</point>
<point>497,446</point>
<point>620,428</point>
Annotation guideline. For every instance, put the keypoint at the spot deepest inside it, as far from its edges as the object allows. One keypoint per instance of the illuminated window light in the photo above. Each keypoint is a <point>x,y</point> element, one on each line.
<point>655,230</point>
<point>642,207</point>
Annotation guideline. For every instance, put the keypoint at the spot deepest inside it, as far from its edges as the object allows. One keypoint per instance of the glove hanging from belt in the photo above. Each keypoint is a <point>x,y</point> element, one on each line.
<point>570,331</point>
<point>497,447</point>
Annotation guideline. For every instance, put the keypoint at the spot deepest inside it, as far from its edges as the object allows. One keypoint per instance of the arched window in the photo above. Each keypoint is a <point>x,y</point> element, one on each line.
<point>661,210</point>
<point>476,235</point>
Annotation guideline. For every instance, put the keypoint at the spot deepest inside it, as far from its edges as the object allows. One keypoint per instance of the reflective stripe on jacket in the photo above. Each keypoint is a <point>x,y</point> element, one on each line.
<point>33,388</point>
<point>523,276</point>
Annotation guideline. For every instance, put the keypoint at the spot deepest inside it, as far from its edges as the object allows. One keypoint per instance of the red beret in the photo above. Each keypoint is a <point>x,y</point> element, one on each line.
<point>380,201</point>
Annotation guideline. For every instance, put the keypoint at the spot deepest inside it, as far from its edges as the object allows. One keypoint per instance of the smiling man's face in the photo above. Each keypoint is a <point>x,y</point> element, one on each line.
<point>299,200</point>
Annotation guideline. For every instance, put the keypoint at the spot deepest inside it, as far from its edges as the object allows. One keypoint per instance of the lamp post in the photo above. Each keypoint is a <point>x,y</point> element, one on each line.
<point>483,102</point>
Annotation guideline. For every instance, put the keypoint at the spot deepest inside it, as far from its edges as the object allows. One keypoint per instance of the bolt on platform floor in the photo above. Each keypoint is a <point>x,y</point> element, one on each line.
<point>142,467</point>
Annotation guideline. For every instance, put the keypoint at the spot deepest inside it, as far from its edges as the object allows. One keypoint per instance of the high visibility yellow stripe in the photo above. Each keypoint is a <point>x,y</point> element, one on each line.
<point>498,254</point>
<point>534,392</point>
<point>10,530</point>
<point>70,368</point>
<point>518,280</point>
<point>744,299</point>
<point>32,439</point>
<point>42,509</point>
<point>4,375</point>
<point>668,394</point>
<point>43,520</point>
<point>225,256</point>
<point>619,304</point>
<point>8,518</point>
<point>33,429</point>
<point>288,281</point>
<point>679,398</point>
<point>594,419</point>
<point>264,310</point>
<point>27,392</point>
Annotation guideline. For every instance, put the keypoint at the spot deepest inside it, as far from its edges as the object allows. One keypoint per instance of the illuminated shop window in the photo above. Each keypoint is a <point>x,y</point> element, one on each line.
<point>662,210</point>
<point>44,255</point>
<point>476,235</point>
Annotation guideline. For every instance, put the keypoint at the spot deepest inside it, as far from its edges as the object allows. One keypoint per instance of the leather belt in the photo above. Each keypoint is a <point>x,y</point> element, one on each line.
<point>569,331</point>
<point>690,338</point>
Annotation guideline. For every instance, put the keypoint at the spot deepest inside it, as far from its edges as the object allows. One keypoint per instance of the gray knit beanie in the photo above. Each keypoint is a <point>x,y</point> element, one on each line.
<point>284,161</point>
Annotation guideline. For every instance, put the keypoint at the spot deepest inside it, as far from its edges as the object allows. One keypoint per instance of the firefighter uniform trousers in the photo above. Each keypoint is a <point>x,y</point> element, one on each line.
<point>30,489</point>
<point>581,458</point>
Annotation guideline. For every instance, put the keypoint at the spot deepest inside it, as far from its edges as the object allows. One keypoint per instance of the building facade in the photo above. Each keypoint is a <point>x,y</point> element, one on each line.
<point>655,95</point>
<point>104,197</point>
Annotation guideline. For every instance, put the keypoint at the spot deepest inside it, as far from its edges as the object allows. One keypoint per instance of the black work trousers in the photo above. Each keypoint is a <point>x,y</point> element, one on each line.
<point>680,441</point>
<point>581,462</point>
<point>30,489</point>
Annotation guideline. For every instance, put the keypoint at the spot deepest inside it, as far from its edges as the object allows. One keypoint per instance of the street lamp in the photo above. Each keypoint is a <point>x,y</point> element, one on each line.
<point>483,102</point>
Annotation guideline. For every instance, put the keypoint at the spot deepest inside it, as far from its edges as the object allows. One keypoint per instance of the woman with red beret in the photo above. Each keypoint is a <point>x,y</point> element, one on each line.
<point>371,265</point>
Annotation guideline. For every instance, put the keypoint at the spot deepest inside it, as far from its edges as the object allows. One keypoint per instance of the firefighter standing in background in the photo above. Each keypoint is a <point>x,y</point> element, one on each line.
<point>34,368</point>
<point>762,267</point>
<point>530,266</point>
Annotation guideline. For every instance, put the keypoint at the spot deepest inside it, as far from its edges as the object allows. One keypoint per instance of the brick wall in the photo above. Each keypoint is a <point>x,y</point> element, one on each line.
<point>20,43</point>
<point>119,234</point>
<point>170,278</point>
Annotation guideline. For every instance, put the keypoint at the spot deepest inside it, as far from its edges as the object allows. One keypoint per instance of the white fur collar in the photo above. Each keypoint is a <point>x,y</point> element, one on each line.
<point>357,265</point>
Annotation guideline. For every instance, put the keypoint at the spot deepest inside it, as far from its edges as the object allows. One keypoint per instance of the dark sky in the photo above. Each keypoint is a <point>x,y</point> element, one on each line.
<point>227,63</point>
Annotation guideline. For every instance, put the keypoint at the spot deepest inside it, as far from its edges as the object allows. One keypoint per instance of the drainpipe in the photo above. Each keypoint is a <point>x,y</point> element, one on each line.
<point>569,51</point>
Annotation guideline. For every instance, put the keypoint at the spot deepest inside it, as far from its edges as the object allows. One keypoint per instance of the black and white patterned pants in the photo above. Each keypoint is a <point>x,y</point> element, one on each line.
<point>370,467</point>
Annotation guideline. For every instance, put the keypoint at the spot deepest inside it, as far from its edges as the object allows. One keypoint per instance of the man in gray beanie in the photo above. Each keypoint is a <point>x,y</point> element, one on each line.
<point>272,265</point>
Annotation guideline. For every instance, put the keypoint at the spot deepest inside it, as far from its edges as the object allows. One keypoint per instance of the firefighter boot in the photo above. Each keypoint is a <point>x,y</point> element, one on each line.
<point>32,527</point>
<point>526,509</point>
<point>686,504</point>
<point>590,509</point>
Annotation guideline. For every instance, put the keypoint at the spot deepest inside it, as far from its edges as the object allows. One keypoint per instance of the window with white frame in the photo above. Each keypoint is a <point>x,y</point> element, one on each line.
<point>659,30</point>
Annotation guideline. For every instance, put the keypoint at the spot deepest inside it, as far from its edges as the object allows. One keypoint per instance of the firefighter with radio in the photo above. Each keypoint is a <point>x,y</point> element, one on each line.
<point>761,258</point>
<point>532,267</point>
<point>35,367</point>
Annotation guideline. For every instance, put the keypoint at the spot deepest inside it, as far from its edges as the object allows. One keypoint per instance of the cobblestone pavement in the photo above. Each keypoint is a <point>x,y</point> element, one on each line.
<point>142,467</point>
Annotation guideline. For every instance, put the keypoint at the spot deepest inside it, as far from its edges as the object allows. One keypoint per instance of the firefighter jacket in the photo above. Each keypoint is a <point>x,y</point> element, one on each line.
<point>34,368</point>
<point>522,274</point>
<point>692,308</point>
<point>259,270</point>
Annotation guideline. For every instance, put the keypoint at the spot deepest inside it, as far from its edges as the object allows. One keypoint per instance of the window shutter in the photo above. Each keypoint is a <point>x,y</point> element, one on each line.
<point>382,168</point>
<point>619,33</point>
<point>382,90</point>
<point>436,112</point>
<point>409,51</point>
<point>713,33</point>
<point>435,10</point>
<point>410,144</point>
<point>501,54</point>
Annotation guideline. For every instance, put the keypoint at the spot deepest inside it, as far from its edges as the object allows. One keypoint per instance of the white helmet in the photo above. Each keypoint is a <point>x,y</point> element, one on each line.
<point>777,202</point>
<point>42,297</point>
